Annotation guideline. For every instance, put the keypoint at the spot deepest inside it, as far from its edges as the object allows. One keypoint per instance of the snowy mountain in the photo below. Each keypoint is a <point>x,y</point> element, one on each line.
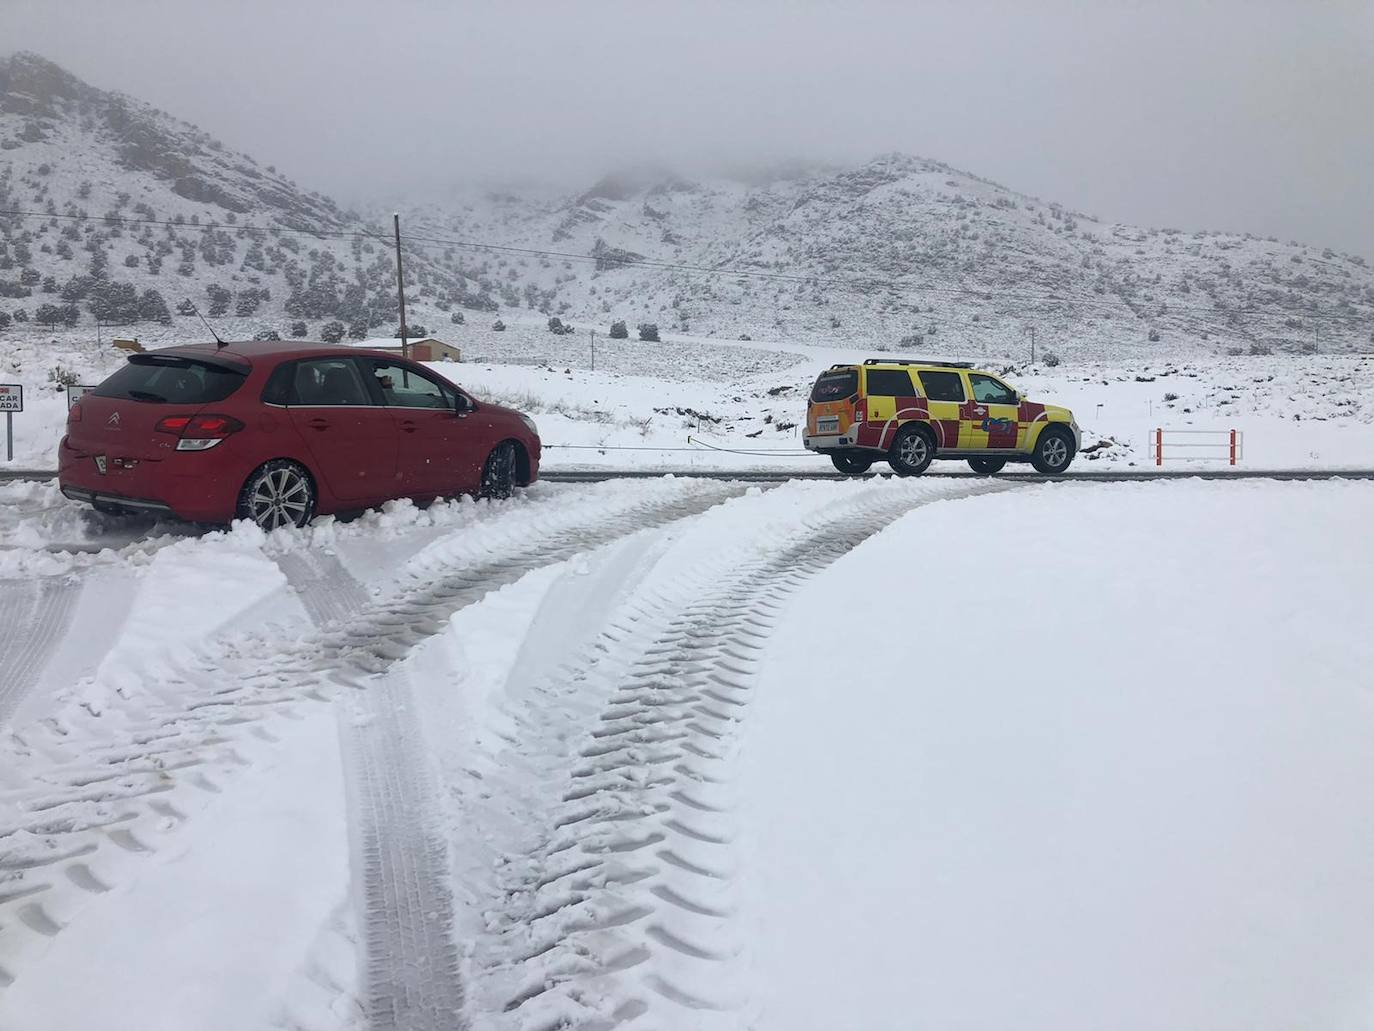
<point>898,253</point>
<point>906,252</point>
<point>171,208</point>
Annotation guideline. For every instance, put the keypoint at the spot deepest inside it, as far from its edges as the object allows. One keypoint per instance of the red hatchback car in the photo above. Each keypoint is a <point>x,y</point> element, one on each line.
<point>278,432</point>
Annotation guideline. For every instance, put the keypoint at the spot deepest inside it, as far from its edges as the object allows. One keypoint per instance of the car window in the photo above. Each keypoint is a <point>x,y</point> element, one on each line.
<point>405,387</point>
<point>167,379</point>
<point>834,386</point>
<point>942,386</point>
<point>889,383</point>
<point>328,381</point>
<point>990,391</point>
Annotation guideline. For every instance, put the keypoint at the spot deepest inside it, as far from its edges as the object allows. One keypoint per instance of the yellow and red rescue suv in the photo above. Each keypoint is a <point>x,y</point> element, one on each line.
<point>911,412</point>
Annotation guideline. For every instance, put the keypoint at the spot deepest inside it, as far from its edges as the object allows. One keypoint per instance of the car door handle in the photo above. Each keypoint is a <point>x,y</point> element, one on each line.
<point>408,425</point>
<point>317,423</point>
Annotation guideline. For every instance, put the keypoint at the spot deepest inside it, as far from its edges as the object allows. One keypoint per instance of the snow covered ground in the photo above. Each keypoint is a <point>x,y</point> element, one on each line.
<point>694,403</point>
<point>687,754</point>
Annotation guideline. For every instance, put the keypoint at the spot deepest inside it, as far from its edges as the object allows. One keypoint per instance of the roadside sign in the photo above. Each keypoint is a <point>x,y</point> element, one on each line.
<point>11,401</point>
<point>75,391</point>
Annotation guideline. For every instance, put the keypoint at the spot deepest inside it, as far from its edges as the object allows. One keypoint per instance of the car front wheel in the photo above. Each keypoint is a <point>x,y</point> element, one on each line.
<point>1053,452</point>
<point>280,493</point>
<point>498,474</point>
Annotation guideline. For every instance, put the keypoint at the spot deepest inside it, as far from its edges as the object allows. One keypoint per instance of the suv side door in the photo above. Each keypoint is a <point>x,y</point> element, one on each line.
<point>351,439</point>
<point>945,394</point>
<point>995,413</point>
<point>440,449</point>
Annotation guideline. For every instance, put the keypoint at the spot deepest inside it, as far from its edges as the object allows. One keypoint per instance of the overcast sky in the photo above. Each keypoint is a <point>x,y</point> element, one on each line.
<point>1223,114</point>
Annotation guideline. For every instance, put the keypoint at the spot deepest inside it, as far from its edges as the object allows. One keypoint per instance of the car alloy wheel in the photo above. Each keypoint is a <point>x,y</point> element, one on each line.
<point>280,495</point>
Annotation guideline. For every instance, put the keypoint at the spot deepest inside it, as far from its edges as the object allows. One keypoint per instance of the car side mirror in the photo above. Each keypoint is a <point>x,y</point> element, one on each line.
<point>462,405</point>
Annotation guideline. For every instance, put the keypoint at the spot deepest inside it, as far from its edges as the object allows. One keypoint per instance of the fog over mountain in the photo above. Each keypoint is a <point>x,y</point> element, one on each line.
<point>1237,115</point>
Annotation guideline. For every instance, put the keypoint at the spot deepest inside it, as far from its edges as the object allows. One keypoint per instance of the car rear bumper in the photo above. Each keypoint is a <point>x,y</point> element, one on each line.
<point>836,442</point>
<point>200,487</point>
<point>92,497</point>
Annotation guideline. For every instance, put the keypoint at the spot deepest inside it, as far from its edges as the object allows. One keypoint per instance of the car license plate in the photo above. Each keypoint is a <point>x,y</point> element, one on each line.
<point>831,425</point>
<point>100,464</point>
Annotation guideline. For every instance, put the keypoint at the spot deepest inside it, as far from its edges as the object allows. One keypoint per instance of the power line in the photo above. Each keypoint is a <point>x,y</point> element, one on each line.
<point>858,287</point>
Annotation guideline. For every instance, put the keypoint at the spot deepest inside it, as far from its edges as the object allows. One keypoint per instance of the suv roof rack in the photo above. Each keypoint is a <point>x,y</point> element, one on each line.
<point>923,361</point>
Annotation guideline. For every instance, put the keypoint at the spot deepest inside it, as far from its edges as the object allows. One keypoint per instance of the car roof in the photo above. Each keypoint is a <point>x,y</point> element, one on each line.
<point>283,349</point>
<point>903,363</point>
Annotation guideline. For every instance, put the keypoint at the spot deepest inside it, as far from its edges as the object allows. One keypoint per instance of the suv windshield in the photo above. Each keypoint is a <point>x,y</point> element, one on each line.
<point>833,386</point>
<point>171,379</point>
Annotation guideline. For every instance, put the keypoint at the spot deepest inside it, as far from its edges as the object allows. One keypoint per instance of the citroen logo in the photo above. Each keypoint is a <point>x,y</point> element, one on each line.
<point>114,419</point>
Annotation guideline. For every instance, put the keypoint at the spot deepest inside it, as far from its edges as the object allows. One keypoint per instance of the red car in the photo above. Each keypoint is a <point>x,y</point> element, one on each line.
<point>279,432</point>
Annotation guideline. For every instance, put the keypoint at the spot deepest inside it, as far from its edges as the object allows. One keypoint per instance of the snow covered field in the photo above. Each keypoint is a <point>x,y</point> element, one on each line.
<point>686,754</point>
<point>742,404</point>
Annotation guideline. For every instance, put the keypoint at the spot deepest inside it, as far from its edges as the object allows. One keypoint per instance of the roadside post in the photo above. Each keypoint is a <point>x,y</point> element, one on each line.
<point>11,401</point>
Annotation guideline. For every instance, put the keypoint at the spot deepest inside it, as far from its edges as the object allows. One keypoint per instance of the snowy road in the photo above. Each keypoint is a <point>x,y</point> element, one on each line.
<point>692,754</point>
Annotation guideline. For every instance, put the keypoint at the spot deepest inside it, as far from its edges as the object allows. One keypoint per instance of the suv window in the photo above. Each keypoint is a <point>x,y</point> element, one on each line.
<point>989,391</point>
<point>942,386</point>
<point>889,383</point>
<point>328,381</point>
<point>834,386</point>
<point>404,387</point>
<point>171,379</point>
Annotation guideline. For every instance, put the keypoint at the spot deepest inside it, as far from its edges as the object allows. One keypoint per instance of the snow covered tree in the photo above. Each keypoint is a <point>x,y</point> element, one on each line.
<point>47,315</point>
<point>649,331</point>
<point>152,308</point>
<point>299,330</point>
<point>332,332</point>
<point>457,318</point>
<point>219,299</point>
<point>499,326</point>
<point>618,331</point>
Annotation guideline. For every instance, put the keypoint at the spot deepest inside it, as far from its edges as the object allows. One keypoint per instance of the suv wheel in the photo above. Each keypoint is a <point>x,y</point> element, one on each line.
<point>278,494</point>
<point>987,466</point>
<point>851,465</point>
<point>912,450</point>
<point>1053,452</point>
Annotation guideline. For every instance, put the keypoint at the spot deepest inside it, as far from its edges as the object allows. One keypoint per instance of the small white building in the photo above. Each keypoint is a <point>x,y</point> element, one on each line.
<point>422,349</point>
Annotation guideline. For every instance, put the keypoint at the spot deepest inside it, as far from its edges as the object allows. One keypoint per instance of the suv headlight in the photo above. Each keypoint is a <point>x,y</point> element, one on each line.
<point>529,424</point>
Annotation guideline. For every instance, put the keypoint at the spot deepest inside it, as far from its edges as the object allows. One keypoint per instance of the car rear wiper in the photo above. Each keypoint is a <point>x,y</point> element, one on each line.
<point>147,395</point>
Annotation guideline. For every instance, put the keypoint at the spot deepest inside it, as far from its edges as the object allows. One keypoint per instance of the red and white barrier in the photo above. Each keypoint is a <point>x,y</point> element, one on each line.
<point>1215,445</point>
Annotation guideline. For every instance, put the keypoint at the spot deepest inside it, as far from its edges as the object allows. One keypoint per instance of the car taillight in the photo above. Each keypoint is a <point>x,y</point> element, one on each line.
<point>74,413</point>
<point>859,412</point>
<point>198,432</point>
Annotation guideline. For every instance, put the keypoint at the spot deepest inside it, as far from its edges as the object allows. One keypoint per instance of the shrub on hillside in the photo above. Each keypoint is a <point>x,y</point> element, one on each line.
<point>457,318</point>
<point>648,331</point>
<point>1051,359</point>
<point>499,326</point>
<point>618,331</point>
<point>332,332</point>
<point>1154,336</point>
<point>299,330</point>
<point>1260,349</point>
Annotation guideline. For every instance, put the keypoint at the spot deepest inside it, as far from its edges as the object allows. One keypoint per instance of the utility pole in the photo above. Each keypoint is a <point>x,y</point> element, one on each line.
<point>400,285</point>
<point>593,350</point>
<point>1032,332</point>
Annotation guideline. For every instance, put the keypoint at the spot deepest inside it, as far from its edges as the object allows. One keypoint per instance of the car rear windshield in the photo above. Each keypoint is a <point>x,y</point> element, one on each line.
<point>172,379</point>
<point>833,386</point>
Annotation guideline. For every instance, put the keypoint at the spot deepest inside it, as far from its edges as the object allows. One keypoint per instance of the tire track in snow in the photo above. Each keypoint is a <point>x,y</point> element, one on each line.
<point>621,914</point>
<point>34,615</point>
<point>413,981</point>
<point>85,794</point>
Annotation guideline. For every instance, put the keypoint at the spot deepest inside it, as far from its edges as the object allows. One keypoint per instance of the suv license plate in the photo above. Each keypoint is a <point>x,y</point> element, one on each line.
<point>828,425</point>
